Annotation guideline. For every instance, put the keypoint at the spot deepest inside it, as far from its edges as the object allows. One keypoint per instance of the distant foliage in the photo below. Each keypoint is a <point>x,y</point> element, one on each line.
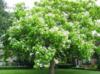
<point>4,18</point>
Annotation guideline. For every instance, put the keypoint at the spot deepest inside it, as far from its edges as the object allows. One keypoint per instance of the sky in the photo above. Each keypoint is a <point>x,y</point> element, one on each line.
<point>28,3</point>
<point>98,2</point>
<point>11,3</point>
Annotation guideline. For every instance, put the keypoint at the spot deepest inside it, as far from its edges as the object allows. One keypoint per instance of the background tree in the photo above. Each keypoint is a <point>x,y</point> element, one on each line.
<point>4,18</point>
<point>51,29</point>
<point>5,22</point>
<point>94,11</point>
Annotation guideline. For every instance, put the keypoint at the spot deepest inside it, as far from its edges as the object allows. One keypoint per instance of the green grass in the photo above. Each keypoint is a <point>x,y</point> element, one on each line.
<point>61,71</point>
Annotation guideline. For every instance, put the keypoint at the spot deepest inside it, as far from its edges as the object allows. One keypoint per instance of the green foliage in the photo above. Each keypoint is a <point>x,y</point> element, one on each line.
<point>4,18</point>
<point>52,28</point>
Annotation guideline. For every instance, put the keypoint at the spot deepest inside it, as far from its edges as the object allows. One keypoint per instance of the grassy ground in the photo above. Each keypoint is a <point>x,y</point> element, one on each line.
<point>67,71</point>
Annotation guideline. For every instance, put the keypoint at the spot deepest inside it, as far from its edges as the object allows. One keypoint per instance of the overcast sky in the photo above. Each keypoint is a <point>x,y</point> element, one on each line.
<point>29,3</point>
<point>98,2</point>
<point>11,3</point>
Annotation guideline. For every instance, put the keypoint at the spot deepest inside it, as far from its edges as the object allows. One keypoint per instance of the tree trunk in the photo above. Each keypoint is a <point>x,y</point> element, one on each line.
<point>52,67</point>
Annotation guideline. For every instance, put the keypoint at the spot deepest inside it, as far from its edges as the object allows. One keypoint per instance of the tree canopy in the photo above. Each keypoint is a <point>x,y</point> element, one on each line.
<point>53,28</point>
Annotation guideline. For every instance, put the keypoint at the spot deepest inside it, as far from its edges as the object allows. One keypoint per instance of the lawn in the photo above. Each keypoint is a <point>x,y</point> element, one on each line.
<point>67,71</point>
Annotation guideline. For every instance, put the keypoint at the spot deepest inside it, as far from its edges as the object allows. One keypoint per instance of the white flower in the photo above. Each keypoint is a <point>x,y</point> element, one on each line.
<point>71,24</point>
<point>98,21</point>
<point>31,54</point>
<point>50,14</point>
<point>18,27</point>
<point>41,65</point>
<point>94,32</point>
<point>56,61</point>
<point>98,34</point>
<point>65,33</point>
<point>55,28</point>
<point>65,14</point>
<point>86,13</point>
<point>37,52</point>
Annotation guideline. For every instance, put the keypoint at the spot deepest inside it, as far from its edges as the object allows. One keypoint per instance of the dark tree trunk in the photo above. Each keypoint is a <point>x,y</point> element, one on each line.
<point>52,67</point>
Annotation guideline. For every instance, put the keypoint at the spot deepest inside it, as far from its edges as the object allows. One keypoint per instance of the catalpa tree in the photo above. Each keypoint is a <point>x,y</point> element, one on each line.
<point>52,28</point>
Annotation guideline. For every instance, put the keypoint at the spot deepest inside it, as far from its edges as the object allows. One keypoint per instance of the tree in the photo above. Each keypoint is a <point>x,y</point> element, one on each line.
<point>4,18</point>
<point>52,28</point>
